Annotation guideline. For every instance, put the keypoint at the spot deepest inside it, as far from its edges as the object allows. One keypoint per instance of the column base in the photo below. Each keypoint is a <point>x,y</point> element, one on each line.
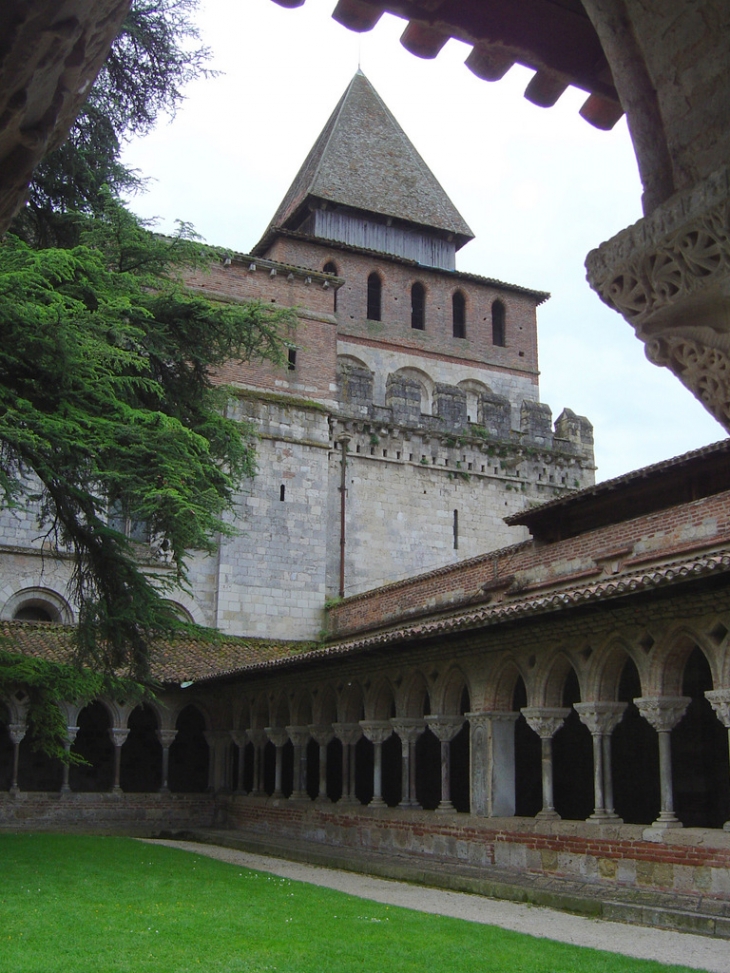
<point>117,791</point>
<point>14,790</point>
<point>164,790</point>
<point>348,801</point>
<point>299,796</point>
<point>666,820</point>
<point>377,802</point>
<point>322,799</point>
<point>548,814</point>
<point>726,826</point>
<point>445,807</point>
<point>411,805</point>
<point>600,817</point>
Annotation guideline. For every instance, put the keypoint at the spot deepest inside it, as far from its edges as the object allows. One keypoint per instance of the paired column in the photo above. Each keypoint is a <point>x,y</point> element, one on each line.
<point>118,736</point>
<point>720,701</point>
<point>71,732</point>
<point>409,730</point>
<point>445,729</point>
<point>258,739</point>
<point>322,734</point>
<point>601,718</point>
<point>546,721</point>
<point>278,736</point>
<point>299,736</point>
<point>348,734</point>
<point>166,738</point>
<point>17,732</point>
<point>663,713</point>
<point>240,738</point>
<point>377,732</point>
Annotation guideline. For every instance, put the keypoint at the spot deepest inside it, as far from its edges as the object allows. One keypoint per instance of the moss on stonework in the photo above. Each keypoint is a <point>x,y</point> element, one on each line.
<point>280,398</point>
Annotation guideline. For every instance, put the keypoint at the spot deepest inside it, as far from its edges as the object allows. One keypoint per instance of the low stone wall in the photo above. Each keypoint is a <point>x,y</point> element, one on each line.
<point>688,861</point>
<point>144,814</point>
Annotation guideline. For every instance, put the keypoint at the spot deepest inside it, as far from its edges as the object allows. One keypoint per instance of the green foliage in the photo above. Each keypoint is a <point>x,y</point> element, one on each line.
<point>74,902</point>
<point>154,56</point>
<point>107,407</point>
<point>44,683</point>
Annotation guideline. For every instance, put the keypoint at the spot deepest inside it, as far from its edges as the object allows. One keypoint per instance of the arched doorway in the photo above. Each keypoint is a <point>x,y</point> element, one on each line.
<point>141,760</point>
<point>634,756</point>
<point>189,754</point>
<point>94,744</point>
<point>573,759</point>
<point>528,778</point>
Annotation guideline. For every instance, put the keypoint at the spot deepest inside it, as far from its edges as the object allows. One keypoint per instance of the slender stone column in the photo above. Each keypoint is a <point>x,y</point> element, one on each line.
<point>71,732</point>
<point>720,701</point>
<point>299,736</point>
<point>601,718</point>
<point>166,738</point>
<point>218,742</point>
<point>546,721</point>
<point>409,730</point>
<point>322,733</point>
<point>445,729</point>
<point>663,713</point>
<point>278,736</point>
<point>492,763</point>
<point>348,734</point>
<point>118,735</point>
<point>240,738</point>
<point>258,739</point>
<point>377,732</point>
<point>17,732</point>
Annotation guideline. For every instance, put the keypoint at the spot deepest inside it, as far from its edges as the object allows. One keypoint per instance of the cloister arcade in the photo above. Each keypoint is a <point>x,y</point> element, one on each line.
<point>631,730</point>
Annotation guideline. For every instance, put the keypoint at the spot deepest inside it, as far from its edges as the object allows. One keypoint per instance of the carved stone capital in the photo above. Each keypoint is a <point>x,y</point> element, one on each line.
<point>376,731</point>
<point>347,733</point>
<point>239,737</point>
<point>662,712</point>
<point>408,728</point>
<point>486,718</point>
<point>600,718</point>
<point>444,728</point>
<point>166,738</point>
<point>71,732</point>
<point>321,733</point>
<point>299,735</point>
<point>17,732</point>
<point>277,734</point>
<point>258,737</point>
<point>669,276</point>
<point>545,720</point>
<point>720,701</point>
<point>118,735</point>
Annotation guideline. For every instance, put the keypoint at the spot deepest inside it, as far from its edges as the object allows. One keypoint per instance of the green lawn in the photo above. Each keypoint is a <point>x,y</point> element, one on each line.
<point>76,904</point>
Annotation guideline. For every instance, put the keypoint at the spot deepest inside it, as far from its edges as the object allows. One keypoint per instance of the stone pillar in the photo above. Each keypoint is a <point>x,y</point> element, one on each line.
<point>445,729</point>
<point>218,742</point>
<point>17,732</point>
<point>240,738</point>
<point>546,721</point>
<point>601,719</point>
<point>377,732</point>
<point>118,735</point>
<point>258,739</point>
<point>492,763</point>
<point>663,713</point>
<point>322,733</point>
<point>299,736</point>
<point>71,732</point>
<point>166,738</point>
<point>278,736</point>
<point>409,730</point>
<point>348,734</point>
<point>720,701</point>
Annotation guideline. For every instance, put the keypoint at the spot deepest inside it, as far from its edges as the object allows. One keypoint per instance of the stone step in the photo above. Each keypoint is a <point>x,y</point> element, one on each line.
<point>663,910</point>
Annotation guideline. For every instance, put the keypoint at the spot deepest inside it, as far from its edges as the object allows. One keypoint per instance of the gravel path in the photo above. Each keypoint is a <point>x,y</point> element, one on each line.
<point>698,952</point>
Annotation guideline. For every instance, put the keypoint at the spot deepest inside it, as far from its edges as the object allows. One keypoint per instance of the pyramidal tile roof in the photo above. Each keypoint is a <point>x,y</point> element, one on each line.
<point>364,160</point>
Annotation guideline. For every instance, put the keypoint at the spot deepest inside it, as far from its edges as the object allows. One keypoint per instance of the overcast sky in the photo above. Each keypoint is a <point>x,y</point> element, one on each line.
<point>539,188</point>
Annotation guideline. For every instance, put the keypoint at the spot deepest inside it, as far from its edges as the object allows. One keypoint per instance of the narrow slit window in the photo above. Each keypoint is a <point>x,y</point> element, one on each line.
<point>292,359</point>
<point>498,325</point>
<point>375,288</point>
<point>331,268</point>
<point>456,530</point>
<point>458,311</point>
<point>282,492</point>
<point>418,306</point>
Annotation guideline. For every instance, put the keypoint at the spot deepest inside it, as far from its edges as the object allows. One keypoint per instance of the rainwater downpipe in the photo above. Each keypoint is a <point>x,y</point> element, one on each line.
<point>344,442</point>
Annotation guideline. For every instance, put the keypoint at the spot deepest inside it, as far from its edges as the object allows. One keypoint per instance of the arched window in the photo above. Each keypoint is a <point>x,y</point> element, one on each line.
<point>331,268</point>
<point>498,325</point>
<point>458,314</point>
<point>375,288</point>
<point>418,306</point>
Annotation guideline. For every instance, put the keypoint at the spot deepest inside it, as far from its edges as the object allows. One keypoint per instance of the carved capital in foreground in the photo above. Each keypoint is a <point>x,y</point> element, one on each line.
<point>545,720</point>
<point>408,728</point>
<point>445,728</point>
<point>347,733</point>
<point>600,717</point>
<point>376,731</point>
<point>720,701</point>
<point>669,276</point>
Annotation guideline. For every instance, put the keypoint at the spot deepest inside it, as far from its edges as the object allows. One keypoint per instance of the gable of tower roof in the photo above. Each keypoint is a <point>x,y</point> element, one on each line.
<point>363,160</point>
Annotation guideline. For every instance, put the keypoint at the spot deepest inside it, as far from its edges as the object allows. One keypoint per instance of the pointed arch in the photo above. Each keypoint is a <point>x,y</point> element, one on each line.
<point>380,701</point>
<point>415,699</point>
